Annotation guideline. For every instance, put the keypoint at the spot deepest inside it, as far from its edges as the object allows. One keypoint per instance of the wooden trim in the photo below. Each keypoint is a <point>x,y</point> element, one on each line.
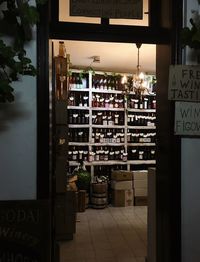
<point>54,10</point>
<point>154,14</point>
<point>168,174</point>
<point>43,186</point>
<point>168,166</point>
<point>109,33</point>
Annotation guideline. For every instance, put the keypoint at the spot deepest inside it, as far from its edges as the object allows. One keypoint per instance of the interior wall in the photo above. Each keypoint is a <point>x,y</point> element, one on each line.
<point>18,139</point>
<point>190,176</point>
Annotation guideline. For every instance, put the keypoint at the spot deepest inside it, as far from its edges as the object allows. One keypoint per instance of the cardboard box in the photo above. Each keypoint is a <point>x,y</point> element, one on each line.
<point>121,185</point>
<point>140,174</point>
<point>140,191</point>
<point>121,175</point>
<point>122,198</point>
<point>140,183</point>
<point>141,201</point>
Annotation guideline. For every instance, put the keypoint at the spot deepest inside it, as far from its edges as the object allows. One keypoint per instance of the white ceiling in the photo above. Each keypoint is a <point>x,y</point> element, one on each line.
<point>115,57</point>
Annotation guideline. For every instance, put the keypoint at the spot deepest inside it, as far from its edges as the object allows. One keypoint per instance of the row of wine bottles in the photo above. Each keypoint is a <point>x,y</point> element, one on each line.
<point>77,117</point>
<point>111,118</point>
<point>77,99</point>
<point>143,102</point>
<point>108,100</point>
<point>141,153</point>
<point>102,153</point>
<point>137,119</point>
<point>104,135</point>
<point>78,135</point>
<point>107,135</point>
<point>107,118</point>
<point>111,153</point>
<point>111,101</point>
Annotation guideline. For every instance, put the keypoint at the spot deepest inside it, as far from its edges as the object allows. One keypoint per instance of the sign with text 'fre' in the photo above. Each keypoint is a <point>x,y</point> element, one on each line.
<point>127,9</point>
<point>184,83</point>
<point>187,118</point>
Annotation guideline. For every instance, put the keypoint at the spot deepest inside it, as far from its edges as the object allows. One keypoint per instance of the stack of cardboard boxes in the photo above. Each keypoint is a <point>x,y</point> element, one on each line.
<point>140,179</point>
<point>122,188</point>
<point>129,188</point>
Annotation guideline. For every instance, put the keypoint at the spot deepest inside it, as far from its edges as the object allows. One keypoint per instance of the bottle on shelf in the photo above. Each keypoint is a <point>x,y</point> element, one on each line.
<point>85,101</point>
<point>71,100</point>
<point>80,101</point>
<point>110,119</point>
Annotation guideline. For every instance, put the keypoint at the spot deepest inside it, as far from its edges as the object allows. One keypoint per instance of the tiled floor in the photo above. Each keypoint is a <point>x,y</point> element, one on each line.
<point>114,234</point>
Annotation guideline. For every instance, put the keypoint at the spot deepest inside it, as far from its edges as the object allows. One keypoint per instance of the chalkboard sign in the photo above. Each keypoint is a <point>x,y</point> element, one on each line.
<point>25,231</point>
<point>187,118</point>
<point>128,9</point>
<point>184,83</point>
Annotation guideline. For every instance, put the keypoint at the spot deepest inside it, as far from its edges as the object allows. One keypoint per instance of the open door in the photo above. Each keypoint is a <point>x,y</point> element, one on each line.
<point>64,204</point>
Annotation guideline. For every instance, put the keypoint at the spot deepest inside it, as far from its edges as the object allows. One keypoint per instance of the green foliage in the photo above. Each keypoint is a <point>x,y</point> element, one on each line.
<point>83,178</point>
<point>191,36</point>
<point>17,18</point>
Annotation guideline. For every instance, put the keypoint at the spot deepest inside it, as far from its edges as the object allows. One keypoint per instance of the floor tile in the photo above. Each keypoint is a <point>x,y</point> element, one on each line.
<point>109,235</point>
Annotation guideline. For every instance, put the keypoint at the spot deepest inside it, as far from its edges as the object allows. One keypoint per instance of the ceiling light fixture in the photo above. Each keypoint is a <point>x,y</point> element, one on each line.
<point>138,84</point>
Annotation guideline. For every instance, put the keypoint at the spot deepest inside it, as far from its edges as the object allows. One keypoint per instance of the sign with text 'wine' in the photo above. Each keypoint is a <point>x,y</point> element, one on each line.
<point>127,9</point>
<point>25,231</point>
<point>184,83</point>
<point>187,118</point>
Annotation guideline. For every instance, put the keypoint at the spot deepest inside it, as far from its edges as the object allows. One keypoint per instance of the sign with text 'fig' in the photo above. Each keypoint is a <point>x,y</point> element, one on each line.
<point>25,231</point>
<point>127,9</point>
<point>184,83</point>
<point>187,118</point>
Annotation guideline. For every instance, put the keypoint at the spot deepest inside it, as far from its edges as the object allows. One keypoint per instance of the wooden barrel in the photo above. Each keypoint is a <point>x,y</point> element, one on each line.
<point>99,188</point>
<point>99,195</point>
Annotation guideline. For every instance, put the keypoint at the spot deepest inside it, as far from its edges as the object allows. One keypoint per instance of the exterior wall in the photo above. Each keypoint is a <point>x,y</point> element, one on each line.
<point>18,139</point>
<point>190,177</point>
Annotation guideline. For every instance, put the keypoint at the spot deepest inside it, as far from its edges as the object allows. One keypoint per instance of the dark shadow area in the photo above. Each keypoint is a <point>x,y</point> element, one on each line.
<point>10,112</point>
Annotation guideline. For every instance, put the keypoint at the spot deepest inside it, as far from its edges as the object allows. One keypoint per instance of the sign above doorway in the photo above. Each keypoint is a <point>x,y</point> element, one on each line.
<point>124,9</point>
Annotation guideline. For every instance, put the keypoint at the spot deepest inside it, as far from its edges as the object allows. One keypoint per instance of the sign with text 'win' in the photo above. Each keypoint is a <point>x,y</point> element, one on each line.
<point>187,118</point>
<point>184,83</point>
<point>127,9</point>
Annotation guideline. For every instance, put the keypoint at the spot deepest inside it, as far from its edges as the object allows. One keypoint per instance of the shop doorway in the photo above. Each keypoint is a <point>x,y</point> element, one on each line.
<point>102,80</point>
<point>164,35</point>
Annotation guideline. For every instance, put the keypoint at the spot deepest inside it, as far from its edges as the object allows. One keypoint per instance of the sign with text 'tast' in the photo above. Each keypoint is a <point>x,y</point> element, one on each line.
<point>187,118</point>
<point>127,9</point>
<point>184,83</point>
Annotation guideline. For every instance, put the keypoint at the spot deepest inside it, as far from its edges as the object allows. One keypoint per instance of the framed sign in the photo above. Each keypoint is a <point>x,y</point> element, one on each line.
<point>25,231</point>
<point>127,9</point>
<point>184,83</point>
<point>187,118</point>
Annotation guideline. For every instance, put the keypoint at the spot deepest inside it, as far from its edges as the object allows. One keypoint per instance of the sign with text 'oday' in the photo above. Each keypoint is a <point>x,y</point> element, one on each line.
<point>184,83</point>
<point>127,9</point>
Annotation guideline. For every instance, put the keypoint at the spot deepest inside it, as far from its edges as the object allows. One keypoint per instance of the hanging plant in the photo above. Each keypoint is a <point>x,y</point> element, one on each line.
<point>191,36</point>
<point>17,17</point>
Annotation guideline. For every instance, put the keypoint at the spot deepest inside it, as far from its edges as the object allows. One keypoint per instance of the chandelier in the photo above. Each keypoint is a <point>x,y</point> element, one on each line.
<point>138,84</point>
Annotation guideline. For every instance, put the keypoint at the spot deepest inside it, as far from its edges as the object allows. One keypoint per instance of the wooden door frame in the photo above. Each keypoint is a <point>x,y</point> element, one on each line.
<point>168,146</point>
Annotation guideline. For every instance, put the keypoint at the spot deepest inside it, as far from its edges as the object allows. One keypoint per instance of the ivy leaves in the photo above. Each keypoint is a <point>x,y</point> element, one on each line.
<point>17,18</point>
<point>191,36</point>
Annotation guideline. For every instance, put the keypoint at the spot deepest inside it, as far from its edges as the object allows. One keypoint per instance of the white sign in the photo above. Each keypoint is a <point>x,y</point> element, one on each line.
<point>129,9</point>
<point>187,118</point>
<point>184,83</point>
